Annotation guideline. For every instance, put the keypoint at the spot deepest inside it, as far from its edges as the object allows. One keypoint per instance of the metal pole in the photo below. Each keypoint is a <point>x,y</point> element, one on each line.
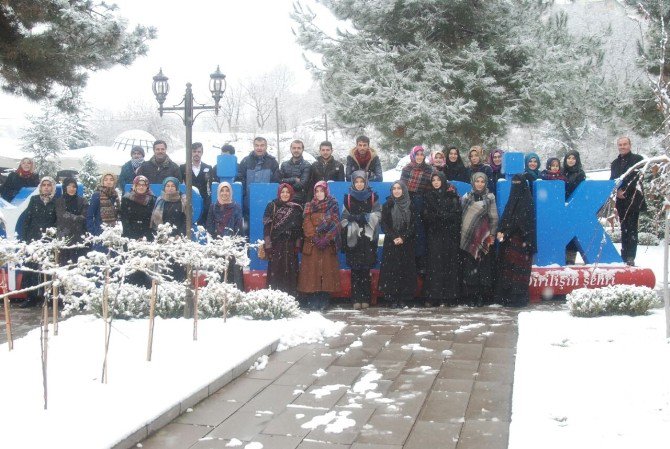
<point>325,119</point>
<point>277,120</point>
<point>188,122</point>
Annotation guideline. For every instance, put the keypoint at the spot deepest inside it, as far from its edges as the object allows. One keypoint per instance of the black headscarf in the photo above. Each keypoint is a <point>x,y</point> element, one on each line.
<point>442,201</point>
<point>575,174</point>
<point>401,213</point>
<point>70,200</point>
<point>519,215</point>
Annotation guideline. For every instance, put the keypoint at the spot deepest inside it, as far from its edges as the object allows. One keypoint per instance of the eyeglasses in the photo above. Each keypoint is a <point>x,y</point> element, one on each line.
<point>142,184</point>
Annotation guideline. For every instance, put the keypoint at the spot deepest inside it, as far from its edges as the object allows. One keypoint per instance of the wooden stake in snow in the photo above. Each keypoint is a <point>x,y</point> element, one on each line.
<point>225,297</point>
<point>44,343</point>
<point>8,314</point>
<point>105,318</point>
<point>54,295</point>
<point>152,311</point>
<point>195,307</point>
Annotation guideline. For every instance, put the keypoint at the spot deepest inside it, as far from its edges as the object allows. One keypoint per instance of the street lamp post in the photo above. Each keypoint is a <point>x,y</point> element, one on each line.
<point>160,87</point>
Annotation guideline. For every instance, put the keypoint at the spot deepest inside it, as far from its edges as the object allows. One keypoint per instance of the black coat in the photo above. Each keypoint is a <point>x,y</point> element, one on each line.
<point>136,218</point>
<point>71,218</point>
<point>442,220</point>
<point>634,199</point>
<point>364,253</point>
<point>324,171</point>
<point>173,213</point>
<point>37,217</point>
<point>290,171</point>
<point>157,173</point>
<point>397,277</point>
<point>14,183</point>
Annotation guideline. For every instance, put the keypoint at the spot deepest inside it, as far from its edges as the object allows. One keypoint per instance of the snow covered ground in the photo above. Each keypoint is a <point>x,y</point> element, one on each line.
<point>591,382</point>
<point>83,413</point>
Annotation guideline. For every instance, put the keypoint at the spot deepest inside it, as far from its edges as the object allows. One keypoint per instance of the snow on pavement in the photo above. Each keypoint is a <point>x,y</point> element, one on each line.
<point>591,382</point>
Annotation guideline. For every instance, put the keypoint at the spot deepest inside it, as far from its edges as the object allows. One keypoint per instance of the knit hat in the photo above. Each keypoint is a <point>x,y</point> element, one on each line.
<point>137,149</point>
<point>171,179</point>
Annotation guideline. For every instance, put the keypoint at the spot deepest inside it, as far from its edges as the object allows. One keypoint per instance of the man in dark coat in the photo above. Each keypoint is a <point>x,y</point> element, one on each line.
<point>257,167</point>
<point>159,166</point>
<point>629,198</point>
<point>296,172</point>
<point>362,157</point>
<point>202,179</point>
<point>326,168</point>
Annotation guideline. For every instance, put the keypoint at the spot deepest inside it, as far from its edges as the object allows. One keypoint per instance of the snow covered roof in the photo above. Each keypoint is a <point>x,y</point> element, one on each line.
<point>134,137</point>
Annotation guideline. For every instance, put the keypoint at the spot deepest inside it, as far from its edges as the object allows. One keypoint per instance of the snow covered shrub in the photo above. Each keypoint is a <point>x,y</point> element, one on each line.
<point>170,300</point>
<point>130,302</point>
<point>613,300</point>
<point>647,239</point>
<point>615,234</point>
<point>210,299</point>
<point>266,305</point>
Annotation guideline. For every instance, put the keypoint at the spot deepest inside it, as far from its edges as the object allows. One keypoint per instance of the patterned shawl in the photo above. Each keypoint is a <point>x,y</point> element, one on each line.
<point>109,202</point>
<point>330,224</point>
<point>480,219</point>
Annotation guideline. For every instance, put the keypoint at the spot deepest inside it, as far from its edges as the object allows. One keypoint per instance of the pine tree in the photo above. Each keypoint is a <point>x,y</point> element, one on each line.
<point>46,138</point>
<point>89,175</point>
<point>80,134</point>
<point>47,46</point>
<point>450,71</point>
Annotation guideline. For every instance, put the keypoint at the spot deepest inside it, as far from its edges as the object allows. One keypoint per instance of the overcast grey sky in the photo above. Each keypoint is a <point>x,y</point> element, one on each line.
<point>243,37</point>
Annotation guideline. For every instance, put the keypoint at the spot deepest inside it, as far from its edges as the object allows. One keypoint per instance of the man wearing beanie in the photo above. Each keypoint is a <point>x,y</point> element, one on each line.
<point>129,169</point>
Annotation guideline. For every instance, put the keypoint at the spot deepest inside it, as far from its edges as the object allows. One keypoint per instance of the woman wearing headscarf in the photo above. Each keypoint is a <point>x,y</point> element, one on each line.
<point>71,220</point>
<point>517,244</point>
<point>224,218</point>
<point>129,169</point>
<point>135,215</point>
<point>416,176</point>
<point>38,216</point>
<point>360,236</point>
<point>397,277</point>
<point>104,205</point>
<point>282,233</point>
<point>24,176</point>
<point>574,175</point>
<point>495,162</point>
<point>532,168</point>
<point>320,271</point>
<point>455,169</point>
<point>170,207</point>
<point>439,161</point>
<point>477,165</point>
<point>442,217</point>
<point>136,208</point>
<point>478,227</point>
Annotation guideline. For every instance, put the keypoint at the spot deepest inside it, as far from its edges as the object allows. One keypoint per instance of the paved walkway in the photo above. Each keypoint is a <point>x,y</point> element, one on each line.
<point>23,320</point>
<point>415,378</point>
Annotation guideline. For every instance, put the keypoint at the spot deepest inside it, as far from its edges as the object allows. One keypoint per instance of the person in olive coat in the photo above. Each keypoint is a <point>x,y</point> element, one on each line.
<point>170,209</point>
<point>38,216</point>
<point>24,176</point>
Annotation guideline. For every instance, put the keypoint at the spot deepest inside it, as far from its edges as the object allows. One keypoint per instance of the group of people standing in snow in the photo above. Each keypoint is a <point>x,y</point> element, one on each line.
<point>462,248</point>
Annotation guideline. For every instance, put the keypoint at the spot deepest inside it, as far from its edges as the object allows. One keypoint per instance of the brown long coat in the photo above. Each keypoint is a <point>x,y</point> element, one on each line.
<point>320,269</point>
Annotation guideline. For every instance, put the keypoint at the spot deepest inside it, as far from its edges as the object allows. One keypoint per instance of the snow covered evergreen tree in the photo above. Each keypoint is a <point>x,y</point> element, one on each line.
<point>89,175</point>
<point>47,46</point>
<point>450,71</point>
<point>46,138</point>
<point>80,133</point>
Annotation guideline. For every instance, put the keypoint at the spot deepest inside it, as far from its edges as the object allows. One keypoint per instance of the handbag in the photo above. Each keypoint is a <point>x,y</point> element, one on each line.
<point>261,249</point>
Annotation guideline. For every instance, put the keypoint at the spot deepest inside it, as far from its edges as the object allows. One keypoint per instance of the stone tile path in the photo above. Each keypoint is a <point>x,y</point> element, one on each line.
<point>415,378</point>
<point>23,320</point>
